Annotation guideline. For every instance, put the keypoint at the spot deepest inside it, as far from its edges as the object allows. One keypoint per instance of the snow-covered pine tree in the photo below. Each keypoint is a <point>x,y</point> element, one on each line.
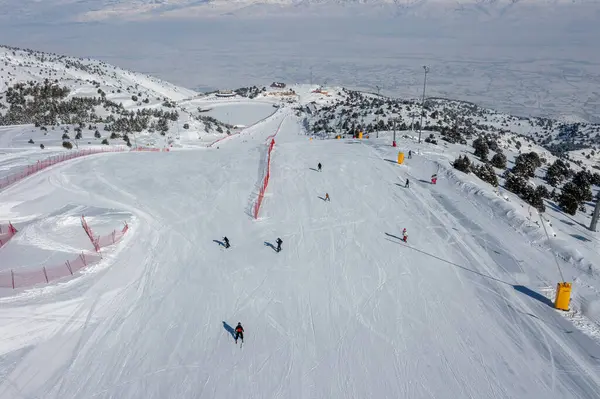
<point>499,160</point>
<point>557,172</point>
<point>526,164</point>
<point>462,163</point>
<point>486,173</point>
<point>481,148</point>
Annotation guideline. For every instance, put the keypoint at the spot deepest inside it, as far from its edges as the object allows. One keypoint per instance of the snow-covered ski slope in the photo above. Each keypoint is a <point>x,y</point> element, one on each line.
<point>78,74</point>
<point>345,310</point>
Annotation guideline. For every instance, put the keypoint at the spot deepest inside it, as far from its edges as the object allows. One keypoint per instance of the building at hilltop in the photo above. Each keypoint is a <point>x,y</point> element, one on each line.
<point>226,93</point>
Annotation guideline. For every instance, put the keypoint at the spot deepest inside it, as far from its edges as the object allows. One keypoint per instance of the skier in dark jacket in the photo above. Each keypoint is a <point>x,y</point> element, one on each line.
<point>279,242</point>
<point>319,166</point>
<point>239,332</point>
<point>226,242</point>
<point>409,154</point>
<point>407,185</point>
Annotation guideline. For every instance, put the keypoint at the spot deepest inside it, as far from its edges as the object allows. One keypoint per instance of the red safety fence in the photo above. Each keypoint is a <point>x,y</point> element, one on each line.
<point>16,278</point>
<point>112,238</point>
<point>265,182</point>
<point>89,233</point>
<point>7,232</point>
<point>246,128</point>
<point>20,279</point>
<point>103,241</point>
<point>43,164</point>
<point>226,137</point>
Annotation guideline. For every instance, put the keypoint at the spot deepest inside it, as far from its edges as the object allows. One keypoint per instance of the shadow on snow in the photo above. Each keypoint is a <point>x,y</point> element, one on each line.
<point>520,288</point>
<point>229,329</point>
<point>268,244</point>
<point>533,294</point>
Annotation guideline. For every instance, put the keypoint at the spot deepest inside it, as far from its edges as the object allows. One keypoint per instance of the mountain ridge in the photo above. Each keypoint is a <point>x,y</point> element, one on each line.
<point>87,78</point>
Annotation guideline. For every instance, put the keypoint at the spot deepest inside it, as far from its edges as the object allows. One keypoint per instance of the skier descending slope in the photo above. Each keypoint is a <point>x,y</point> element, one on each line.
<point>226,242</point>
<point>404,235</point>
<point>279,242</point>
<point>319,166</point>
<point>239,333</point>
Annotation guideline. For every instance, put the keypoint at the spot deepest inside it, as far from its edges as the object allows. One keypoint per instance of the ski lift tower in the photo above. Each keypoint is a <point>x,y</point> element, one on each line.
<point>426,68</point>
<point>595,216</point>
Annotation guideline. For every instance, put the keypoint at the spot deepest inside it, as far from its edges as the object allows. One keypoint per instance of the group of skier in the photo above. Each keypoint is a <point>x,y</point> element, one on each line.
<point>319,168</point>
<point>279,241</point>
<point>239,330</point>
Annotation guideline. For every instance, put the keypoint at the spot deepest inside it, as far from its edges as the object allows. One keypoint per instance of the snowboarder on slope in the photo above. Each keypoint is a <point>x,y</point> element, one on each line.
<point>226,242</point>
<point>239,332</point>
<point>279,242</point>
<point>404,235</point>
<point>327,197</point>
<point>319,166</point>
<point>407,185</point>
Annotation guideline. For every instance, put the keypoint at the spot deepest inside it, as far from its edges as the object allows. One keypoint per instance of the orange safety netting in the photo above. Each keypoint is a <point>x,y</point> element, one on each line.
<point>27,278</point>
<point>16,278</point>
<point>265,183</point>
<point>7,232</point>
<point>103,241</point>
<point>43,164</point>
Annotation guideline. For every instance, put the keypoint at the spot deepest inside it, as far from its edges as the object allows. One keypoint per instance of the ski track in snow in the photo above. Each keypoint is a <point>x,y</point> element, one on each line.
<point>344,310</point>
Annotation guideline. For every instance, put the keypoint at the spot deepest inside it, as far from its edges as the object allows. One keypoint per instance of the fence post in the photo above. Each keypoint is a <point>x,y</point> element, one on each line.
<point>113,236</point>
<point>12,275</point>
<point>83,258</point>
<point>69,267</point>
<point>45,274</point>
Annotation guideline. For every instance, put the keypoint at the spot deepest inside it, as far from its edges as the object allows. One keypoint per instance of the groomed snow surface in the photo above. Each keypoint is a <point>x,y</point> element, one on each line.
<point>345,310</point>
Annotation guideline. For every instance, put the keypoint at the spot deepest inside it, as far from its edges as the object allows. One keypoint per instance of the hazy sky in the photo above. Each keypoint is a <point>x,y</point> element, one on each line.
<point>525,65</point>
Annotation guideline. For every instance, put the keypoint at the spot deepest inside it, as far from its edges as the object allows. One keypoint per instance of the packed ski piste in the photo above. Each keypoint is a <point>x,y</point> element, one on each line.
<point>347,308</point>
